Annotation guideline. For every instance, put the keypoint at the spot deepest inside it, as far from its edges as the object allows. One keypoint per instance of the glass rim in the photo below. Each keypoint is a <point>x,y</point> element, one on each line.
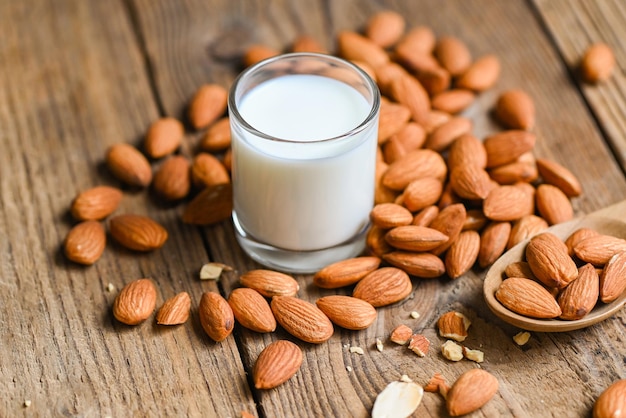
<point>233,108</point>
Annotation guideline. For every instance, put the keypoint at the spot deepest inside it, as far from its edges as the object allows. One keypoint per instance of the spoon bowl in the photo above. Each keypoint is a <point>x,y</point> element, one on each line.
<point>495,275</point>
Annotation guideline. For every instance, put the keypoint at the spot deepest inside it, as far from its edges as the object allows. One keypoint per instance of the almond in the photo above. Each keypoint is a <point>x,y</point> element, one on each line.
<point>436,80</point>
<point>548,259</point>
<point>392,118</point>
<point>613,278</point>
<point>415,238</point>
<point>385,74</point>
<point>437,383</point>
<point>137,232</point>
<point>129,165</point>
<point>345,272</point>
<point>270,283</point>
<point>453,325</point>
<point>85,242</point>
<point>412,136</point>
<point>515,109</point>
<point>171,182</point>
<point>95,203</point>
<point>164,137</point>
<point>383,287</point>
<point>426,216</point>
<point>505,147</point>
<point>612,402</point>
<point>519,269</point>
<point>419,344</point>
<point>514,172</point>
<point>213,204</point>
<point>553,205</point>
<point>434,119</point>
<point>470,182</point>
<point>481,75</point>
<point>398,399</point>
<point>527,297</point>
<point>453,55</point>
<point>579,298</point>
<point>416,62</point>
<point>508,203</point>
<point>599,249</point>
<point>175,310</point>
<point>216,316</point>
<point>418,40</point>
<point>257,53</point>
<point>389,215</point>
<point>450,222</point>
<point>462,254</point>
<point>207,170</point>
<point>347,312</point>
<point>385,28</point>
<point>493,240</point>
<point>207,105</point>
<point>302,319</point>
<point>524,228</point>
<point>393,149</point>
<point>471,391</point>
<point>401,334</point>
<point>453,101</point>
<point>353,46</point>
<point>467,150</point>
<point>135,302</point>
<point>251,310</point>
<point>553,173</point>
<point>414,165</point>
<point>306,43</point>
<point>408,91</point>
<point>375,241</point>
<point>276,364</point>
<point>217,137</point>
<point>444,135</point>
<point>598,63</point>
<point>423,265</point>
<point>475,220</point>
<point>421,193</point>
<point>448,197</point>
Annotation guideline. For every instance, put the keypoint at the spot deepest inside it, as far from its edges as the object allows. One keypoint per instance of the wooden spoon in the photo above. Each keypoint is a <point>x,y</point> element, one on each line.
<point>608,221</point>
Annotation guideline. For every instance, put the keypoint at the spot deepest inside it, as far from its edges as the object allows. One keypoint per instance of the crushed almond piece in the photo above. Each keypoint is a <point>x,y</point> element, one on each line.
<point>213,271</point>
<point>474,355</point>
<point>27,403</point>
<point>415,314</point>
<point>453,325</point>
<point>405,378</point>
<point>521,338</point>
<point>348,368</point>
<point>419,345</point>
<point>110,287</point>
<point>437,383</point>
<point>452,351</point>
<point>357,350</point>
<point>401,334</point>
<point>379,345</point>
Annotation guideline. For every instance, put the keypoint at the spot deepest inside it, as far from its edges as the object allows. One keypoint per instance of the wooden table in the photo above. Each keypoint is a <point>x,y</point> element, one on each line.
<point>78,76</point>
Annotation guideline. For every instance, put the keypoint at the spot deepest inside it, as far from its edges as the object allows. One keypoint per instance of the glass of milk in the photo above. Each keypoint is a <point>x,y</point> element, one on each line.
<point>304,135</point>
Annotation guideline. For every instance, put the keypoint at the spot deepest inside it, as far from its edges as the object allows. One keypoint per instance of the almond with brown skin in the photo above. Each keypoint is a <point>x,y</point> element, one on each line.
<point>553,205</point>
<point>554,173</point>
<point>95,203</point>
<point>385,28</point>
<point>419,344</point>
<point>453,55</point>
<point>164,137</point>
<point>401,334</point>
<point>599,249</point>
<point>383,287</point>
<point>257,53</point>
<point>270,283</point>
<point>276,364</point>
<point>385,74</point>
<point>613,278</point>
<point>353,46</point>
<point>505,147</point>
<point>527,297</point>
<point>577,236</point>
<point>470,182</point>
<point>415,238</point>
<point>436,81</point>
<point>207,105</point>
<point>171,181</point>
<point>471,391</point>
<point>462,254</point>
<point>129,165</point>
<point>475,220</point>
<point>579,298</point>
<point>393,117</point>
<point>217,137</point>
<point>375,241</point>
<point>508,203</point>
<point>526,227</point>
<point>306,43</point>
<point>213,204</point>
<point>175,310</point>
<point>519,269</point>
<point>216,316</point>
<point>481,75</point>
<point>453,101</point>
<point>450,222</point>
<point>467,150</point>
<point>514,172</point>
<point>347,312</point>
<point>597,63</point>
<point>548,259</point>
<point>412,136</point>
<point>493,240</point>
<point>422,265</point>
<point>135,302</point>
<point>137,232</point>
<point>408,91</point>
<point>85,242</point>
<point>515,109</point>
<point>390,215</point>
<point>302,319</point>
<point>207,170</point>
<point>414,165</point>
<point>612,402</point>
<point>418,40</point>
<point>434,119</point>
<point>444,135</point>
<point>251,310</point>
<point>426,216</point>
<point>345,272</point>
<point>421,193</point>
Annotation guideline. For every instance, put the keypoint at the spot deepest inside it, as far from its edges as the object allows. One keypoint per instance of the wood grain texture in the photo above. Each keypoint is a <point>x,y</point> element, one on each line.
<point>81,75</point>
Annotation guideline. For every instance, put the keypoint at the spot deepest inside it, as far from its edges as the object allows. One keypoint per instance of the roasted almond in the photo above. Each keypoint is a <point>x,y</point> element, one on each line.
<point>347,312</point>
<point>514,172</point>
<point>612,402</point>
<point>527,297</point>
<point>449,221</point>
<point>414,165</point>
<point>508,203</point>
<point>421,193</point>
<point>95,203</point>
<point>383,287</point>
<point>85,242</point>
<point>217,137</point>
<point>353,46</point>
<point>426,216</point>
<point>270,283</point>
<point>493,240</point>
<point>207,170</point>
<point>599,249</point>
<point>175,310</point>
<point>135,302</point>
<point>481,75</point>
<point>415,238</point>
<point>507,146</point>
<point>462,254</point>
<point>453,55</point>
<point>385,28</point>
<point>251,310</point>
<point>276,364</point>
<point>519,269</point>
<point>470,181</point>
<point>390,215</point>
<point>467,150</point>
<point>445,134</point>
<point>548,259</point>
<point>345,272</point>
<point>577,236</point>
<point>207,105</point>
<point>129,165</point>
<point>171,181</point>
<point>524,228</point>
<point>555,174</point>
<point>515,109</point>
<point>216,316</point>
<point>453,101</point>
<point>471,391</point>
<point>137,232</point>
<point>213,204</point>
<point>164,137</point>
<point>613,278</point>
<point>579,298</point>
<point>302,319</point>
<point>422,265</point>
<point>407,90</point>
<point>598,63</point>
<point>553,205</point>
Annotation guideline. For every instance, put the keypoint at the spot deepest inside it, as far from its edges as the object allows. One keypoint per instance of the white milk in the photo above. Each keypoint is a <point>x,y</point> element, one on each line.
<point>303,195</point>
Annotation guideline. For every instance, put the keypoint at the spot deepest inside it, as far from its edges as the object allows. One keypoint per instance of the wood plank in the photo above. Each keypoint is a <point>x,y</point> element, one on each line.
<point>574,26</point>
<point>74,82</point>
<point>202,41</point>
